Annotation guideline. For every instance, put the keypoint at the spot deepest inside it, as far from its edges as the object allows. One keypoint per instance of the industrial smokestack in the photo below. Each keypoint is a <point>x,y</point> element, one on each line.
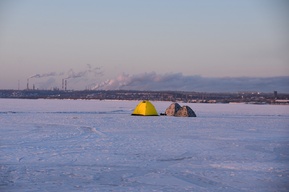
<point>28,84</point>
<point>62,84</point>
<point>65,84</point>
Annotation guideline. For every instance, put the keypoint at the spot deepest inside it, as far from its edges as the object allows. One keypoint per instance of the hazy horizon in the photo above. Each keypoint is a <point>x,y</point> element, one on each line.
<point>162,82</point>
<point>220,44</point>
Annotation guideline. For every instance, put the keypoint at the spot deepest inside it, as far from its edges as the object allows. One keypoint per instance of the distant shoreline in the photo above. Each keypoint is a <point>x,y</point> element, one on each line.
<point>173,96</point>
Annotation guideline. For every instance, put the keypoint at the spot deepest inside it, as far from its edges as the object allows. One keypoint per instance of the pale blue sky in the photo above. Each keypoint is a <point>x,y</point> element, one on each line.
<point>224,38</point>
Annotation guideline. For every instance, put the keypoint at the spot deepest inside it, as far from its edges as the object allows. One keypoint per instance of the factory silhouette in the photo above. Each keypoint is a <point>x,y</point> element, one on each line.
<point>173,96</point>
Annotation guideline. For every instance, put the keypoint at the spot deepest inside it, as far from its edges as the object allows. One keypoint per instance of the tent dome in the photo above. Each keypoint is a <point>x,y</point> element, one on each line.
<point>145,108</point>
<point>176,110</point>
<point>185,111</point>
<point>172,109</point>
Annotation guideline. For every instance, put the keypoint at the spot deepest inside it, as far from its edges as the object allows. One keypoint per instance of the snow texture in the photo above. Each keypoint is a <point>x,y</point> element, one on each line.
<point>88,145</point>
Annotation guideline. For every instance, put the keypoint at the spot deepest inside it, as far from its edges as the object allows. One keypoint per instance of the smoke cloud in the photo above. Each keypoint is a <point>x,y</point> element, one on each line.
<point>52,74</point>
<point>89,71</point>
<point>179,82</point>
<point>55,79</point>
<point>71,74</point>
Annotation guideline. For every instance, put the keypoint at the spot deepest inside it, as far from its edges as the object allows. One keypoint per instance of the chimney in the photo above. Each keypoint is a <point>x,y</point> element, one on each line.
<point>27,84</point>
<point>62,84</point>
<point>65,84</point>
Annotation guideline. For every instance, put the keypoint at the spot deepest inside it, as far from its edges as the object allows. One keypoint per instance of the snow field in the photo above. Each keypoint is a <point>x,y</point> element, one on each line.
<point>86,145</point>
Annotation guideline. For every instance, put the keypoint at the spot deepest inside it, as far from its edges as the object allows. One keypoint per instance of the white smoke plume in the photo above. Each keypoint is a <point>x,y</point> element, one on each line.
<point>51,74</point>
<point>179,82</point>
<point>89,71</point>
<point>55,79</point>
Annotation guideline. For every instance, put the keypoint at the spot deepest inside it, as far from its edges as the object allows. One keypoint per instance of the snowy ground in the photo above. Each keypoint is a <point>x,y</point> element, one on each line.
<point>86,145</point>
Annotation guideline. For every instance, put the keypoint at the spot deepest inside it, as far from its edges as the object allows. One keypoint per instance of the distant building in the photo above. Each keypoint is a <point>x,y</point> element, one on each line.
<point>281,101</point>
<point>275,94</point>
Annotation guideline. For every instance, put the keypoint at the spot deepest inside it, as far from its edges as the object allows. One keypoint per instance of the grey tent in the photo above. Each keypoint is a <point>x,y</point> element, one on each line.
<point>176,110</point>
<point>172,109</point>
<point>185,111</point>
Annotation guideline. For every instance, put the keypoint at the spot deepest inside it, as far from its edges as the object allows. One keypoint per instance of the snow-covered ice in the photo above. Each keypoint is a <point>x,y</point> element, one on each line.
<point>89,145</point>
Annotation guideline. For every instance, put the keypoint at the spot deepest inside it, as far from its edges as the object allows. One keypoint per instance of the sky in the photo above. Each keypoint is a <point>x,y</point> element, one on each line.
<point>92,42</point>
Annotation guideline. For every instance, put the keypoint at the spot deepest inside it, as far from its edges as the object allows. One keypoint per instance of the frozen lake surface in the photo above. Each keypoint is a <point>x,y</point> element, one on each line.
<point>88,145</point>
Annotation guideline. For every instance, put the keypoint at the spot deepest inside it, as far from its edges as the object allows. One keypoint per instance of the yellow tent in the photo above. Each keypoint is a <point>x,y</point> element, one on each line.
<point>145,108</point>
